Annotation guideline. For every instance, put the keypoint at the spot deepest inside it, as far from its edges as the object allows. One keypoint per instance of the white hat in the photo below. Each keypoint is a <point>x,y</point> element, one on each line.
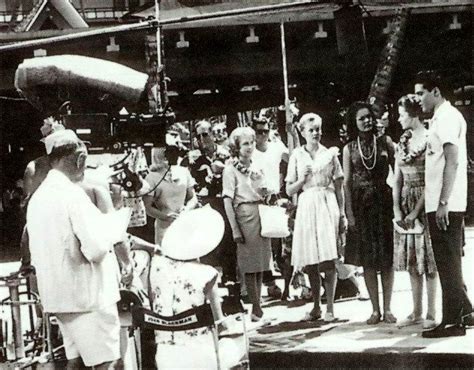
<point>60,138</point>
<point>194,234</point>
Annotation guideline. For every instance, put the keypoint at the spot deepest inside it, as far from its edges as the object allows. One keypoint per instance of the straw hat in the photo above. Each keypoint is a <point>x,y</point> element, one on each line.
<point>194,234</point>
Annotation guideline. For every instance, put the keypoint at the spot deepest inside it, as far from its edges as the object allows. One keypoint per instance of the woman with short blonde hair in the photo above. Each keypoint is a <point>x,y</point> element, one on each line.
<point>316,174</point>
<point>243,190</point>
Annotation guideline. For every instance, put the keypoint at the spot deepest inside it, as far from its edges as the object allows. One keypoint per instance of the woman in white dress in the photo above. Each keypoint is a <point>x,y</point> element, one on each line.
<point>320,218</point>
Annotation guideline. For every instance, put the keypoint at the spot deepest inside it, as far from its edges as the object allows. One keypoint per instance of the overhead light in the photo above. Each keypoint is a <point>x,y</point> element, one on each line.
<point>202,92</point>
<point>250,88</point>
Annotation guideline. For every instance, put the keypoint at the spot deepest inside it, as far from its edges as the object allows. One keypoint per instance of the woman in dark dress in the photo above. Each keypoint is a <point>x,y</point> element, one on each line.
<point>366,161</point>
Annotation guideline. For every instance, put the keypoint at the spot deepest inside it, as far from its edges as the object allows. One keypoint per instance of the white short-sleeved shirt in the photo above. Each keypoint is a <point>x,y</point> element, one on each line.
<point>447,126</point>
<point>270,162</point>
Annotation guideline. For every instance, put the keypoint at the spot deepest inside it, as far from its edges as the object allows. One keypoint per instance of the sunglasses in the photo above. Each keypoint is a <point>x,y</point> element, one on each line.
<point>262,132</point>
<point>203,134</point>
<point>218,131</point>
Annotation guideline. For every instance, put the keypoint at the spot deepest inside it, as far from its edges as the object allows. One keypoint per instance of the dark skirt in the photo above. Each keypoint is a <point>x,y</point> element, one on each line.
<point>370,242</point>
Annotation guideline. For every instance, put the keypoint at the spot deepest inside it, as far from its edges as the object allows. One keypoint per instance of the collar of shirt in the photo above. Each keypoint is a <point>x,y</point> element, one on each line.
<point>439,111</point>
<point>57,177</point>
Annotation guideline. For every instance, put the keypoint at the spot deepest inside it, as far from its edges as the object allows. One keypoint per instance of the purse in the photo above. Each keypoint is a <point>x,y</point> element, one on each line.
<point>274,221</point>
<point>418,228</point>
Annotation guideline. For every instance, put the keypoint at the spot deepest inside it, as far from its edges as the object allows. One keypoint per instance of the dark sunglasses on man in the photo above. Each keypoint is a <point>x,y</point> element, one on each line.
<point>203,134</point>
<point>218,131</point>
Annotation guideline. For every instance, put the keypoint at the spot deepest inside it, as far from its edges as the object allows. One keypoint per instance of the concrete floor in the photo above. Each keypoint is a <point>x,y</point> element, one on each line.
<point>288,342</point>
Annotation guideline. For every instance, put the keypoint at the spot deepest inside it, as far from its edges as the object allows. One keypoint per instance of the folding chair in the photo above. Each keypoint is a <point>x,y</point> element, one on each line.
<point>199,317</point>
<point>134,296</point>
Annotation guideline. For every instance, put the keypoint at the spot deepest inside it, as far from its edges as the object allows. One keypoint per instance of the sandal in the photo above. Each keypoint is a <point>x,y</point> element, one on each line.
<point>374,319</point>
<point>389,318</point>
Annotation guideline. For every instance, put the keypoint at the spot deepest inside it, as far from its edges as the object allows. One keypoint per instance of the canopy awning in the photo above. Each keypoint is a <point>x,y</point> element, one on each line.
<point>186,10</point>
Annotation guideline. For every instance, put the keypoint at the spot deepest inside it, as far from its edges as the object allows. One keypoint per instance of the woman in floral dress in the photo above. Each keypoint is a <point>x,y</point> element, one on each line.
<point>179,282</point>
<point>369,243</point>
<point>413,252</point>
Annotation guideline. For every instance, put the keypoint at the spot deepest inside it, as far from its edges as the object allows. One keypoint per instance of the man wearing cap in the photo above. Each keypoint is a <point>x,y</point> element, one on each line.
<point>35,173</point>
<point>71,247</point>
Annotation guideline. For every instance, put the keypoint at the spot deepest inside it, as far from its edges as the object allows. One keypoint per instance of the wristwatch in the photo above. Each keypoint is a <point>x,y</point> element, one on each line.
<point>443,202</point>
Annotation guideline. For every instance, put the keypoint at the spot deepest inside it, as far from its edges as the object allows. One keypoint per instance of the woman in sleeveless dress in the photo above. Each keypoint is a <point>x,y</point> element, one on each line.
<point>366,161</point>
<point>413,252</point>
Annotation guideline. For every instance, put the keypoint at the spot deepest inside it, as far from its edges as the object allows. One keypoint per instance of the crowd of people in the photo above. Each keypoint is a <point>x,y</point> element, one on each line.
<point>388,207</point>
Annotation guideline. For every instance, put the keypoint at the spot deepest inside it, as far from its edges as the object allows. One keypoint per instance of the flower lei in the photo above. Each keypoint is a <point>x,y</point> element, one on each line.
<point>407,155</point>
<point>255,176</point>
<point>239,166</point>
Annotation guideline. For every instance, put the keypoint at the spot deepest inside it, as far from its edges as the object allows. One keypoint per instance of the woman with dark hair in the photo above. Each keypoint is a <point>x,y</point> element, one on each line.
<point>366,161</point>
<point>412,250</point>
<point>243,189</point>
<point>172,190</point>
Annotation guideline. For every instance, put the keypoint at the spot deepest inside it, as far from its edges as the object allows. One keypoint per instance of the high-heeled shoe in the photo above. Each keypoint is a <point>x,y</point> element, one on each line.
<point>255,318</point>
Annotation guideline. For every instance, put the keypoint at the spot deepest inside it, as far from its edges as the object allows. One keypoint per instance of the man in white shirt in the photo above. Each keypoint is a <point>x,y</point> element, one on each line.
<point>72,250</point>
<point>269,155</point>
<point>445,200</point>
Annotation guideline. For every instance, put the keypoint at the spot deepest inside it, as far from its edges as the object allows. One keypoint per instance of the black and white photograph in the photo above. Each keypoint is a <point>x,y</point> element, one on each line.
<point>236,184</point>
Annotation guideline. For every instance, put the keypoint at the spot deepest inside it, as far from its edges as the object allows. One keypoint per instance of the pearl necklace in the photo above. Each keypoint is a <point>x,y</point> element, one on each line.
<point>370,156</point>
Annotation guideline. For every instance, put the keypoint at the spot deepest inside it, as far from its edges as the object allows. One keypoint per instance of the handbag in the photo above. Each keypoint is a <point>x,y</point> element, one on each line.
<point>418,228</point>
<point>274,221</point>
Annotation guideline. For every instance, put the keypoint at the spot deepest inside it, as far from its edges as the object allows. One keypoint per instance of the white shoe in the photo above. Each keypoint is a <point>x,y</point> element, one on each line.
<point>429,324</point>
<point>329,317</point>
<point>409,321</point>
